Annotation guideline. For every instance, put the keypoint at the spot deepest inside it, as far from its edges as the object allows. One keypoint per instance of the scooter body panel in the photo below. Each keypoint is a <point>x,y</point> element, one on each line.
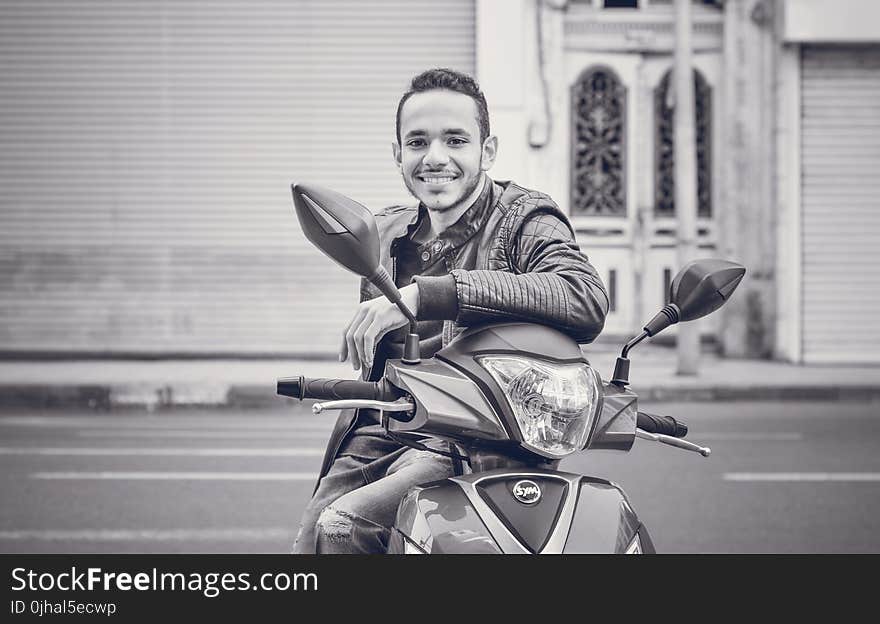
<point>452,402</point>
<point>438,518</point>
<point>604,521</point>
<point>515,512</point>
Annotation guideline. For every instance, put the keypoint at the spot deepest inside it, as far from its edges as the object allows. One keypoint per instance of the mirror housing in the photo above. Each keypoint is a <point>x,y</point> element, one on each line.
<point>703,286</point>
<point>340,227</point>
<point>346,231</point>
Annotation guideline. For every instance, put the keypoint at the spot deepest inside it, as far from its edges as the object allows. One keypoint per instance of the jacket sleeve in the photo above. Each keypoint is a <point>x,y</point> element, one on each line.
<point>554,283</point>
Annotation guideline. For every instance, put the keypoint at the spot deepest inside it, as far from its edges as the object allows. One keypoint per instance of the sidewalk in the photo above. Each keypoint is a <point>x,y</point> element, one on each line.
<point>104,384</point>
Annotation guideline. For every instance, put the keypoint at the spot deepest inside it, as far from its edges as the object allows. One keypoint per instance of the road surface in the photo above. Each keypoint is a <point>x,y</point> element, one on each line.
<point>782,478</point>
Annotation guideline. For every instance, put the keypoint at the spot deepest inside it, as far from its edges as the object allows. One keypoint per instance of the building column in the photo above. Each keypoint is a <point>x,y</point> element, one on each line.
<point>748,195</point>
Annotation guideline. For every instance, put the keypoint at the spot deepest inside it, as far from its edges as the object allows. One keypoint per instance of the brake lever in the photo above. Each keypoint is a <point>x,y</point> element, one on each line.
<point>665,439</point>
<point>385,406</point>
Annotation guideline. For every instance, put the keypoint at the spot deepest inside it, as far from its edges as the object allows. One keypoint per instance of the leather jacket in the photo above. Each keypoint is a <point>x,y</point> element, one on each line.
<point>515,259</point>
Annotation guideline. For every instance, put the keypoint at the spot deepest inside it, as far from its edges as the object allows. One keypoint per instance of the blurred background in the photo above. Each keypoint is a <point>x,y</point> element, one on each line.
<point>147,148</point>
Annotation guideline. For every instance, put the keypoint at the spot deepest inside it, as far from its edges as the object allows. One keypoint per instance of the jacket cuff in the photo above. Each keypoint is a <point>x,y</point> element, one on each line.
<point>438,298</point>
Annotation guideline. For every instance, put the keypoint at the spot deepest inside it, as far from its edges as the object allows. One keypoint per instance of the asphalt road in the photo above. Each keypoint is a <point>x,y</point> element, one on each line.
<point>782,478</point>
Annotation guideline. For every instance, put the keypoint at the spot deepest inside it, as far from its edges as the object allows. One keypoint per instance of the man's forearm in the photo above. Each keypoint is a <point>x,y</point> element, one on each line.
<point>571,300</point>
<point>438,299</point>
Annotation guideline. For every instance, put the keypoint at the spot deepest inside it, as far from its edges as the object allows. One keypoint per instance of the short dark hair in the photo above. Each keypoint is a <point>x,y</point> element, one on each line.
<point>444,78</point>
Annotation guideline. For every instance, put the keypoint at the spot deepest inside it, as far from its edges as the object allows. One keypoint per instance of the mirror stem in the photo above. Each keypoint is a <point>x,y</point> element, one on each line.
<point>382,280</point>
<point>669,315</point>
<point>621,367</point>
<point>625,353</point>
<point>411,351</point>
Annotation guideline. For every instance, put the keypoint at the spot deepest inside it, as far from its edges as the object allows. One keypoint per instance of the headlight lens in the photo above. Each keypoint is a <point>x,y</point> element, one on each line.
<point>554,404</point>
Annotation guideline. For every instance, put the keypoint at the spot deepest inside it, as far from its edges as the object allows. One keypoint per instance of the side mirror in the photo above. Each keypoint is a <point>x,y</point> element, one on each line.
<point>339,226</point>
<point>346,232</point>
<point>703,286</point>
<point>698,289</point>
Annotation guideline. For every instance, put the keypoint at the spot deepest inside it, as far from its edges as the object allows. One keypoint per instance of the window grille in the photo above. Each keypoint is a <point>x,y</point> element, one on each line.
<point>664,158</point>
<point>598,161</point>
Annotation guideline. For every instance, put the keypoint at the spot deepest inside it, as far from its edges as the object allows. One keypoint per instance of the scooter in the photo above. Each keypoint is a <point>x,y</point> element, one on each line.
<point>513,399</point>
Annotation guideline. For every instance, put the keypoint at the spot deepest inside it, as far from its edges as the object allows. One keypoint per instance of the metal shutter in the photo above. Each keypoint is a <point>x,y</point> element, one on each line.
<point>146,154</point>
<point>841,210</point>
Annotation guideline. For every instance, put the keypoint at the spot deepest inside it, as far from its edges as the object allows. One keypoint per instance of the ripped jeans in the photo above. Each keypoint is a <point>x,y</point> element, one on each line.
<point>355,505</point>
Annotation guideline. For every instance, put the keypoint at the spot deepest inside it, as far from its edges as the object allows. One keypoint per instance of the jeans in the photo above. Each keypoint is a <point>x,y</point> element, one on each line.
<point>355,505</point>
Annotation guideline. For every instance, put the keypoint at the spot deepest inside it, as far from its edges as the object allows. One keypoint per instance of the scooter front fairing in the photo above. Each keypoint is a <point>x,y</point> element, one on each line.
<point>518,512</point>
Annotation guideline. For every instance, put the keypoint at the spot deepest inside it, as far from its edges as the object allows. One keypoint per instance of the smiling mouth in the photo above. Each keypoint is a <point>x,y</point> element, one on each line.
<point>437,179</point>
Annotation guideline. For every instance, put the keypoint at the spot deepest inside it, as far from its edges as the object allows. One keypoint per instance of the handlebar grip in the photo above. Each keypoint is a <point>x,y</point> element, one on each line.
<point>665,425</point>
<point>337,389</point>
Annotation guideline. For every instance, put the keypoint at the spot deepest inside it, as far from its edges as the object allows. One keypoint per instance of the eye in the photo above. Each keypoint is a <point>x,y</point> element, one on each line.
<point>456,141</point>
<point>415,143</point>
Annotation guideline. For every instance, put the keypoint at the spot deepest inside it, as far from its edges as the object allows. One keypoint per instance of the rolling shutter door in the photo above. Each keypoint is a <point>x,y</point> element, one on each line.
<point>841,210</point>
<point>147,153</point>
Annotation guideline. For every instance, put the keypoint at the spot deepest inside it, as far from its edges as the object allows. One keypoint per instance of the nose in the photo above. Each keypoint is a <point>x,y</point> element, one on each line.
<point>436,156</point>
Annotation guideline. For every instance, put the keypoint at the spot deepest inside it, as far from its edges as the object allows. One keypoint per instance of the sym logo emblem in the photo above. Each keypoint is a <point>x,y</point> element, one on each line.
<point>527,492</point>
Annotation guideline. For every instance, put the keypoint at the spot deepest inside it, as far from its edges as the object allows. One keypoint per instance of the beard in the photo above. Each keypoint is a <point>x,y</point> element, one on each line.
<point>467,190</point>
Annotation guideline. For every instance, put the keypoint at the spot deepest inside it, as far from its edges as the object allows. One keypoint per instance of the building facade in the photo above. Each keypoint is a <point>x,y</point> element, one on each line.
<point>787,124</point>
<point>149,149</point>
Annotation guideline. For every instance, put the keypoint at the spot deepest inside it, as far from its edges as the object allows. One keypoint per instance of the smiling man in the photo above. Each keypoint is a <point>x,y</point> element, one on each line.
<point>443,165</point>
<point>472,251</point>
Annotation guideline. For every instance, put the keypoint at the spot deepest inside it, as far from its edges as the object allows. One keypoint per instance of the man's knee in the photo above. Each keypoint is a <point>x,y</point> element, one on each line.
<point>334,526</point>
<point>339,531</point>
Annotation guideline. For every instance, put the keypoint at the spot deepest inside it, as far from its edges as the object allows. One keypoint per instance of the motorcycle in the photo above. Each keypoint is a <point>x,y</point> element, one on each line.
<point>513,399</point>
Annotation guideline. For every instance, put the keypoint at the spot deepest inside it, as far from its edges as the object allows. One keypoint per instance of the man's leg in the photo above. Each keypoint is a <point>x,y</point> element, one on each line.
<point>359,522</point>
<point>345,474</point>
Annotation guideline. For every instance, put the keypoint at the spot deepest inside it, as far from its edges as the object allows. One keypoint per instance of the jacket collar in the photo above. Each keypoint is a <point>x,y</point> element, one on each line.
<point>462,230</point>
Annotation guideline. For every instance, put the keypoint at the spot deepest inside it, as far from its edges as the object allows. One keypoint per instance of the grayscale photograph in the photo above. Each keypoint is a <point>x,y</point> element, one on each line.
<point>439,277</point>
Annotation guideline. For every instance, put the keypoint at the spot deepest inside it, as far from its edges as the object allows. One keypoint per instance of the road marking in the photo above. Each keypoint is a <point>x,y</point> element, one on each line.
<point>128,535</point>
<point>179,476</point>
<point>758,437</point>
<point>195,433</point>
<point>802,476</point>
<point>185,452</point>
<point>169,424</point>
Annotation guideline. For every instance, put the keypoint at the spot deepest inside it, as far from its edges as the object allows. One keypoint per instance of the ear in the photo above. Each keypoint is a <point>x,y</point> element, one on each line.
<point>490,150</point>
<point>395,150</point>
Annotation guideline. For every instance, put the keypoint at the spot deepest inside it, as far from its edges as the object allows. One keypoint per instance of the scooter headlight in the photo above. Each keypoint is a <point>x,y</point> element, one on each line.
<point>555,404</point>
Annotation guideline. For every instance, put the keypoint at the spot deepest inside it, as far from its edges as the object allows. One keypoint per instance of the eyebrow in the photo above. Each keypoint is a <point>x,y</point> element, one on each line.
<point>448,131</point>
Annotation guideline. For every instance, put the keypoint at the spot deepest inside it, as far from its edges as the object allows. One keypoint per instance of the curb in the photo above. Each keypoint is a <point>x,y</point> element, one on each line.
<point>220,396</point>
<point>849,393</point>
<point>140,397</point>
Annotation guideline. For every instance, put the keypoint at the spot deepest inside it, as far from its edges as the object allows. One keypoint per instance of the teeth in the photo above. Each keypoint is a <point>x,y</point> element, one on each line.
<point>443,180</point>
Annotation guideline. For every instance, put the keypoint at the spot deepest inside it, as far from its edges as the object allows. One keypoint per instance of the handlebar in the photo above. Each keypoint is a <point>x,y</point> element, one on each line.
<point>663,425</point>
<point>667,430</point>
<point>337,389</point>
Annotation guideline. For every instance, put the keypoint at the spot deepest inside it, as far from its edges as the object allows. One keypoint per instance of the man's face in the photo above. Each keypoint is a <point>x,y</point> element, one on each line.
<point>441,156</point>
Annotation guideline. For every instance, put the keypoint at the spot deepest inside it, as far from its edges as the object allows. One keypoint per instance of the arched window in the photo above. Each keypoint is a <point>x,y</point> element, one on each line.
<point>598,154</point>
<point>664,146</point>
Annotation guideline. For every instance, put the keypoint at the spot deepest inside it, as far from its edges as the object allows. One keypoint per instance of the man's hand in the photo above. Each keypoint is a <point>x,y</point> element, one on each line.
<point>374,319</point>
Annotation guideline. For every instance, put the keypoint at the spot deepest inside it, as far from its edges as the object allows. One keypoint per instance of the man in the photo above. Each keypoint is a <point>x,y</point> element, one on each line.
<point>473,250</point>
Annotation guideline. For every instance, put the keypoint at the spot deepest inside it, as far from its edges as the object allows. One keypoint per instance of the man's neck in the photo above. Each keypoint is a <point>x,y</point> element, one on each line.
<point>441,220</point>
